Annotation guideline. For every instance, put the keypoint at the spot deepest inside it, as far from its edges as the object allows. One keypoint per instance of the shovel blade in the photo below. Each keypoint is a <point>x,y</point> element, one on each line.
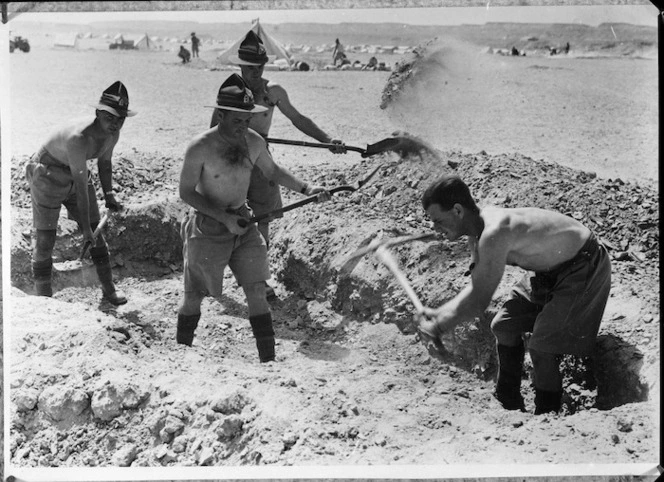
<point>386,144</point>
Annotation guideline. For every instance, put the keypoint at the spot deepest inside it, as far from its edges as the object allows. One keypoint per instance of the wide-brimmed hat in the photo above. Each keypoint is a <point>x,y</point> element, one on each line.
<point>235,95</point>
<point>251,51</point>
<point>115,100</point>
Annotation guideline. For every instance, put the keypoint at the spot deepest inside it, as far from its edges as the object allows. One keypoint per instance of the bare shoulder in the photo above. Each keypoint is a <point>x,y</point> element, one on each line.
<point>275,91</point>
<point>499,226</point>
<point>200,144</point>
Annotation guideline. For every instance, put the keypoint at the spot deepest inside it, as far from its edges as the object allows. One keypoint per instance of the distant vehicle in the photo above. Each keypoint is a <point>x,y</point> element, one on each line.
<point>19,43</point>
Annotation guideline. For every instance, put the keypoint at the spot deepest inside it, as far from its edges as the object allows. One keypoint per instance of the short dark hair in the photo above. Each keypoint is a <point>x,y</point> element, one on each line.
<point>447,191</point>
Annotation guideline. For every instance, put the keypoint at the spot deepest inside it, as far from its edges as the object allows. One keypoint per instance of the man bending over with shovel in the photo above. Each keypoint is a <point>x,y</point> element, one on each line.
<point>561,304</point>
<point>58,175</point>
<point>214,181</point>
<point>264,195</point>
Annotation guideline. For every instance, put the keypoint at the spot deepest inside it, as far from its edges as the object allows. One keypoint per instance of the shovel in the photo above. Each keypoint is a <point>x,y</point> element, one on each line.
<point>307,200</point>
<point>371,150</point>
<point>77,264</point>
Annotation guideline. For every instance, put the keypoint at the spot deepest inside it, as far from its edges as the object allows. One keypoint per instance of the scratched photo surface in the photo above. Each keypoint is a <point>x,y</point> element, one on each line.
<point>550,107</point>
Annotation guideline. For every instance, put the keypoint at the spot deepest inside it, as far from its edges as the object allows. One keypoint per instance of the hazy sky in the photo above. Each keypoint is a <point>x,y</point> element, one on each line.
<point>590,15</point>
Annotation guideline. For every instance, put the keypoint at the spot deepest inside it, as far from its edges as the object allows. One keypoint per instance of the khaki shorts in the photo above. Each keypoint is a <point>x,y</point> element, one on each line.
<point>208,247</point>
<point>563,308</point>
<point>52,186</point>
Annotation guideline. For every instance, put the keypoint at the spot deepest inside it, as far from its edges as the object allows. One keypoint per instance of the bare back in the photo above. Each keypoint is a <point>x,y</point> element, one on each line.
<point>534,239</point>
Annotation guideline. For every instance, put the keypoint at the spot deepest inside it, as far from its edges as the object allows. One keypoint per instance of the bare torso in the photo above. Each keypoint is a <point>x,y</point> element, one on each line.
<point>536,239</point>
<point>262,121</point>
<point>80,137</point>
<point>224,183</point>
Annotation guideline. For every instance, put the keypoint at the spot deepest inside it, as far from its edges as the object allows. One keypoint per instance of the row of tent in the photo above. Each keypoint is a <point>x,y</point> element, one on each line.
<point>274,48</point>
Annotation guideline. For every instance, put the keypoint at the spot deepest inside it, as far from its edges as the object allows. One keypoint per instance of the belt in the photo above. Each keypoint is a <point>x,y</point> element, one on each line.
<point>587,251</point>
<point>46,159</point>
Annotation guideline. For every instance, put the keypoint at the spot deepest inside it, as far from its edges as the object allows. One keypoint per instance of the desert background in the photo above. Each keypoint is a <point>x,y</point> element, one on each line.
<point>95,386</point>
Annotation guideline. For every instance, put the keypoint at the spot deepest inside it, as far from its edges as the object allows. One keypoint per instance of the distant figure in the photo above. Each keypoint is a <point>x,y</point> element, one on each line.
<point>341,60</point>
<point>515,51</point>
<point>372,65</point>
<point>195,41</point>
<point>567,48</point>
<point>184,54</point>
<point>553,51</point>
<point>338,52</point>
<point>302,66</point>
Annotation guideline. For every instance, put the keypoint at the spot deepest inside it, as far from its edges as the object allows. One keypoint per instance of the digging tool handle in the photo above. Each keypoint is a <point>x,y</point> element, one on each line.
<point>372,149</point>
<point>388,260</point>
<point>322,145</point>
<point>290,207</point>
<point>98,229</point>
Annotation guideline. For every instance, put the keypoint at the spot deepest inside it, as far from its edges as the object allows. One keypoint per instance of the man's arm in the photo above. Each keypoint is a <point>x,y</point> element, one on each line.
<point>302,122</point>
<point>105,168</point>
<point>474,298</point>
<point>283,176</point>
<point>76,152</point>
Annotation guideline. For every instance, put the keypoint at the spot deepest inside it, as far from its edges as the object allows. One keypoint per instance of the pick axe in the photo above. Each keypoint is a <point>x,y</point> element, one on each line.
<point>379,249</point>
<point>307,200</point>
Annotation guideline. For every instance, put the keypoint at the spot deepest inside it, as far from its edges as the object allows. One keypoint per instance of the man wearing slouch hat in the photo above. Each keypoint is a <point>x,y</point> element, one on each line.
<point>214,181</point>
<point>264,195</point>
<point>58,176</point>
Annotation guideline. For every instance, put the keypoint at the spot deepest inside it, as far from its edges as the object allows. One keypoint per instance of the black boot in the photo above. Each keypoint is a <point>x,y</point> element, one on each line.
<point>102,262</point>
<point>261,325</point>
<point>186,327</point>
<point>508,385</point>
<point>41,273</point>
<point>546,401</point>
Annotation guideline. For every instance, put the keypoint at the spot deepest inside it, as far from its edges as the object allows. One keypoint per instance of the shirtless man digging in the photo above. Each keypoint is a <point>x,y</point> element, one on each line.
<point>214,181</point>
<point>561,305</point>
<point>264,195</point>
<point>58,175</point>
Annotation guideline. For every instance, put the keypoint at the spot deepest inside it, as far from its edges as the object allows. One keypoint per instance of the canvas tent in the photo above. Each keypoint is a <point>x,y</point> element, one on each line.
<point>66,40</point>
<point>273,47</point>
<point>141,41</point>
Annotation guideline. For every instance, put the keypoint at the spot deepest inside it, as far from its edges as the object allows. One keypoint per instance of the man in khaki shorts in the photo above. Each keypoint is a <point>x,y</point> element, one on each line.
<point>561,305</point>
<point>264,195</point>
<point>58,175</point>
<point>214,181</point>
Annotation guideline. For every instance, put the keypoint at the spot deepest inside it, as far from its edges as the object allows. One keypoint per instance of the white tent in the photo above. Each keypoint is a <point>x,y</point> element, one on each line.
<point>66,40</point>
<point>141,41</point>
<point>273,47</point>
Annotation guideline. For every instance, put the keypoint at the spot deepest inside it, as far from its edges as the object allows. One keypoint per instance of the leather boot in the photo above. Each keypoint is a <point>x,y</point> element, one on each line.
<point>261,325</point>
<point>42,274</point>
<point>187,325</point>
<point>546,401</point>
<point>102,261</point>
<point>508,385</point>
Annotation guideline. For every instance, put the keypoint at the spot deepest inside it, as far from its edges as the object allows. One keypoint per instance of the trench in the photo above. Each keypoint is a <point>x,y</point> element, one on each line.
<point>307,258</point>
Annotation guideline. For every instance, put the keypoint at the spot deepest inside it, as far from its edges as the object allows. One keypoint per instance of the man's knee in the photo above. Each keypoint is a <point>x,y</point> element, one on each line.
<point>505,333</point>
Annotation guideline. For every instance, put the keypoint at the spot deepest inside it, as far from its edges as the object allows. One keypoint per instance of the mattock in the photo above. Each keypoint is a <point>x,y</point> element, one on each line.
<point>379,249</point>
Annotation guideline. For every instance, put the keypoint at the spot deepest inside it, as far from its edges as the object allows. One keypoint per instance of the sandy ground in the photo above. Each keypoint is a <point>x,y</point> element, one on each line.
<point>353,385</point>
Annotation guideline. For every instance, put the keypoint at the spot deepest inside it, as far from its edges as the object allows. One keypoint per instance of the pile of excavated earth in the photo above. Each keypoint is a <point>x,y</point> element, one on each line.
<point>92,384</point>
